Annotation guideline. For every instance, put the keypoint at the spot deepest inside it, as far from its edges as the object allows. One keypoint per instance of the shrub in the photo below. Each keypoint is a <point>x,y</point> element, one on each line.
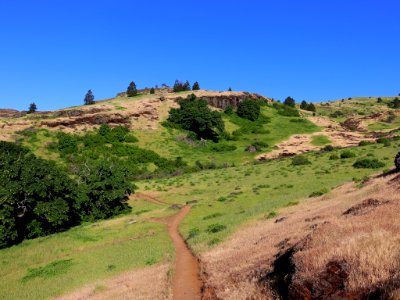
<point>395,103</point>
<point>347,154</point>
<point>334,157</point>
<point>228,110</point>
<point>386,142</point>
<point>222,147</point>
<point>89,98</point>
<point>152,91</point>
<point>365,143</point>
<point>367,163</point>
<point>319,193</point>
<point>300,160</point>
<point>214,228</point>
<point>328,148</point>
<point>249,109</point>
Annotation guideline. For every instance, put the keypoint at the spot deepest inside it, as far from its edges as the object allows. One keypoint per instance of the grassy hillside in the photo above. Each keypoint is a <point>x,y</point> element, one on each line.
<point>236,190</point>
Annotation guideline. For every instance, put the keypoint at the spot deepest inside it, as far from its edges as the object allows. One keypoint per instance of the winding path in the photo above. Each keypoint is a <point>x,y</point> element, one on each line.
<point>186,283</point>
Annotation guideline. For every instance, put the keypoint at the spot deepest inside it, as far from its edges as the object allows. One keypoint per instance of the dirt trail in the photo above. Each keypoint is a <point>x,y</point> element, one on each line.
<point>186,283</point>
<point>149,198</point>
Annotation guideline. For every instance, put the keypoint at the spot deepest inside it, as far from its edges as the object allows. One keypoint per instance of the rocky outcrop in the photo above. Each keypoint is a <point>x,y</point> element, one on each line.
<point>232,99</point>
<point>97,119</point>
<point>11,113</point>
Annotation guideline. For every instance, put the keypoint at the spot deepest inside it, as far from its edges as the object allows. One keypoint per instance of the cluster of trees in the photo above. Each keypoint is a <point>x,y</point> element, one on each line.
<point>249,109</point>
<point>395,103</point>
<point>179,86</point>
<point>308,106</point>
<point>194,115</point>
<point>38,198</point>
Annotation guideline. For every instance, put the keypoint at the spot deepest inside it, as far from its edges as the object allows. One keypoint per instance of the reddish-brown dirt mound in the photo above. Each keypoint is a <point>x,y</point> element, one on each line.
<point>364,207</point>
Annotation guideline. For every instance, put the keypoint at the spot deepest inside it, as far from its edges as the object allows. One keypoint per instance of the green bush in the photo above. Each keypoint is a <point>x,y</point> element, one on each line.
<point>222,147</point>
<point>386,142</point>
<point>347,154</point>
<point>300,160</point>
<point>249,109</point>
<point>365,143</point>
<point>319,193</point>
<point>214,228</point>
<point>367,163</point>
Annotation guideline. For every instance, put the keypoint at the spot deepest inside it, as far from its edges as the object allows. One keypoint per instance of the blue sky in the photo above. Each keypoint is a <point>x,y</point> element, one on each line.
<point>52,52</point>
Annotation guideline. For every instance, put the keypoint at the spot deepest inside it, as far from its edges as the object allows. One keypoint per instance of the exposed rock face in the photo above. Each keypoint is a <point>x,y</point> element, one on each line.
<point>223,101</point>
<point>90,120</point>
<point>11,113</point>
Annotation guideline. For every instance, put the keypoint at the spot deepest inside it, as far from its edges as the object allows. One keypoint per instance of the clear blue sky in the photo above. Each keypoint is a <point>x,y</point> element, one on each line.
<point>53,51</point>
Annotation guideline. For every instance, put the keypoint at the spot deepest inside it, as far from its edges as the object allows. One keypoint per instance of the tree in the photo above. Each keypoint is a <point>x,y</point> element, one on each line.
<point>178,86</point>
<point>289,101</point>
<point>397,161</point>
<point>303,105</point>
<point>105,190</point>
<point>395,103</point>
<point>230,90</point>
<point>89,98</point>
<point>131,91</point>
<point>32,108</point>
<point>152,90</point>
<point>186,86</point>
<point>195,115</point>
<point>36,198</point>
<point>249,109</point>
<point>311,107</point>
<point>195,86</point>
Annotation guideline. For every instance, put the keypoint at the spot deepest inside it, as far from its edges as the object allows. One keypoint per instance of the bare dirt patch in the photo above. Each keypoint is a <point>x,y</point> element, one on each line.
<point>302,143</point>
<point>148,283</point>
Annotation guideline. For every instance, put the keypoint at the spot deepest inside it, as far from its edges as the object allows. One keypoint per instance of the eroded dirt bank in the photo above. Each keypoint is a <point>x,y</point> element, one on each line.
<point>344,245</point>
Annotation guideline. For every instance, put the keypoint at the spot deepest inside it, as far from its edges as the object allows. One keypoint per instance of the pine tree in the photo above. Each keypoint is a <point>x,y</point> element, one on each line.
<point>131,91</point>
<point>289,101</point>
<point>177,86</point>
<point>32,108</point>
<point>230,90</point>
<point>303,104</point>
<point>195,86</point>
<point>89,98</point>
<point>152,90</point>
<point>186,86</point>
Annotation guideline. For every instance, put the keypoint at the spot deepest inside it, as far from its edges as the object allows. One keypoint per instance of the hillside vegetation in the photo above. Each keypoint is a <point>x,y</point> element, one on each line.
<point>234,158</point>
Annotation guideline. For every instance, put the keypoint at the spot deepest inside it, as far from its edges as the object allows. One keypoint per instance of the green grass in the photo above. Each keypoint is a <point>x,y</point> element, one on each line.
<point>233,196</point>
<point>377,126</point>
<point>320,140</point>
<point>46,267</point>
<point>272,129</point>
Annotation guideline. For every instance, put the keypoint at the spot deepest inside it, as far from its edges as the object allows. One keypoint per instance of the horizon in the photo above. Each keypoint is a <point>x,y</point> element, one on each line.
<point>56,52</point>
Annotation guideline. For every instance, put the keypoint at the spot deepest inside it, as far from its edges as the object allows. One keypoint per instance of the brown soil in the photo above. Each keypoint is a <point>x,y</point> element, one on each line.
<point>301,143</point>
<point>186,283</point>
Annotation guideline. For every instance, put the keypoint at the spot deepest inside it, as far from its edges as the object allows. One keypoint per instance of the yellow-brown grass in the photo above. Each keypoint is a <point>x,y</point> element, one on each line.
<point>369,242</point>
<point>148,283</point>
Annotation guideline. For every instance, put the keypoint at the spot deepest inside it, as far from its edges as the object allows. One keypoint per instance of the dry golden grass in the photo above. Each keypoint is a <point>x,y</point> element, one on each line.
<point>148,283</point>
<point>367,240</point>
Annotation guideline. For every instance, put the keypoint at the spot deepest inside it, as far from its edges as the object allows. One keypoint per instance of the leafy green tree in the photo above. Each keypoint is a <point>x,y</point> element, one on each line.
<point>131,90</point>
<point>89,98</point>
<point>32,108</point>
<point>195,115</point>
<point>105,190</point>
<point>289,101</point>
<point>303,105</point>
<point>249,109</point>
<point>152,91</point>
<point>395,103</point>
<point>195,86</point>
<point>35,197</point>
